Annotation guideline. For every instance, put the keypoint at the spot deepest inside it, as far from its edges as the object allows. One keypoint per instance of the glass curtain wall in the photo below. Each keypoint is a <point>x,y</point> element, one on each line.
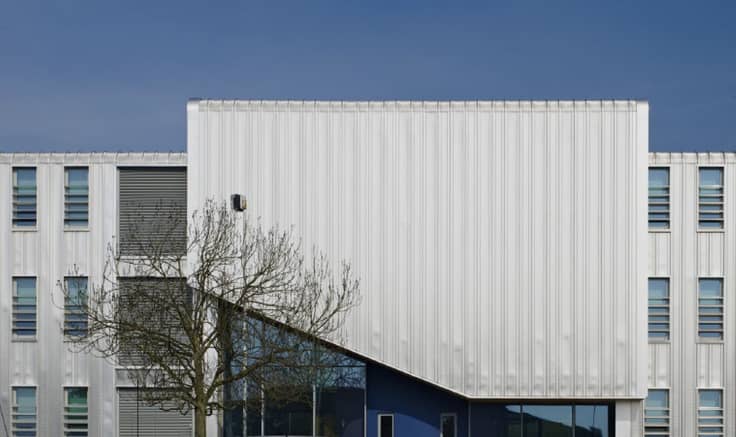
<point>320,392</point>
<point>532,420</point>
<point>332,407</point>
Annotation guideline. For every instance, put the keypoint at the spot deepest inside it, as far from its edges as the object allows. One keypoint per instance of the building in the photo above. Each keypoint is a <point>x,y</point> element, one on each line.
<point>510,286</point>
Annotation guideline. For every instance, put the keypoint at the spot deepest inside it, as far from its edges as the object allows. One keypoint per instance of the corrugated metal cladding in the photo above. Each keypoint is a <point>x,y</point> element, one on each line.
<point>501,245</point>
<point>152,209</point>
<point>136,419</point>
<point>683,254</point>
<point>49,253</point>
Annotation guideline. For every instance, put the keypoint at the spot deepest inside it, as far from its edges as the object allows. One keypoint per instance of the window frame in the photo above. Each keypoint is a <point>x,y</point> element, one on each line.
<point>722,409</point>
<point>67,312</point>
<point>723,199</point>
<point>668,417</point>
<point>67,405</point>
<point>73,228</point>
<point>14,185</point>
<point>14,406</point>
<point>393,424</point>
<point>454,423</point>
<point>722,313</point>
<point>668,228</point>
<point>669,310</point>
<point>14,295</point>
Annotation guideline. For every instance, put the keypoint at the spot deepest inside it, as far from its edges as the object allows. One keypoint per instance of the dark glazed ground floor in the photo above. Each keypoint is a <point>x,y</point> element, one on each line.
<point>376,401</point>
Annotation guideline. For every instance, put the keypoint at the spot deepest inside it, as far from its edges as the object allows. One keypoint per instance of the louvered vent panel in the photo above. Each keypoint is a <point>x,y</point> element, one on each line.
<point>152,210</point>
<point>136,419</point>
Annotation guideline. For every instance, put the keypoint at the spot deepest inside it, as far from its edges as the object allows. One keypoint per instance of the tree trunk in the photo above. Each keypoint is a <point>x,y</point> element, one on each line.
<point>200,421</point>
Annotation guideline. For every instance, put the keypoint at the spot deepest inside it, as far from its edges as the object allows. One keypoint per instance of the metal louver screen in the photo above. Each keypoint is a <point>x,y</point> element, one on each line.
<point>150,302</point>
<point>136,419</point>
<point>153,208</point>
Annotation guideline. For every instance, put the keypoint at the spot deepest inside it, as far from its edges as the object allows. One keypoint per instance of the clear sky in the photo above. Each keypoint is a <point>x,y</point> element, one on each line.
<point>95,75</point>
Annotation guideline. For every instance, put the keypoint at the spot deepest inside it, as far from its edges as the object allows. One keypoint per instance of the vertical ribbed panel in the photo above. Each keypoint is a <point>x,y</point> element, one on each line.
<point>684,254</point>
<point>501,245</point>
<point>49,253</point>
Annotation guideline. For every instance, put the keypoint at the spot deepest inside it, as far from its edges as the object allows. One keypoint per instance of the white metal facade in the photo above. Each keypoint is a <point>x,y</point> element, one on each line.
<point>50,253</point>
<point>501,246</point>
<point>429,202</point>
<point>683,254</point>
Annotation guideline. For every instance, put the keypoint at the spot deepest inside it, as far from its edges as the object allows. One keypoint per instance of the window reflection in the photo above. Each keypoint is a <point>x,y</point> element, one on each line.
<point>547,420</point>
<point>534,420</point>
<point>591,421</point>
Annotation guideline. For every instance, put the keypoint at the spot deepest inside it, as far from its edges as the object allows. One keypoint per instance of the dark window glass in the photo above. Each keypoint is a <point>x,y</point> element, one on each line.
<point>24,197</point>
<point>76,197</point>
<point>512,421</point>
<point>591,421</point>
<point>340,403</point>
<point>710,308</point>
<point>659,198</point>
<point>24,308</point>
<point>659,308</point>
<point>448,425</point>
<point>386,425</point>
<point>253,411</point>
<point>710,198</point>
<point>547,420</point>
<point>288,411</point>
<point>75,313</point>
<point>500,420</point>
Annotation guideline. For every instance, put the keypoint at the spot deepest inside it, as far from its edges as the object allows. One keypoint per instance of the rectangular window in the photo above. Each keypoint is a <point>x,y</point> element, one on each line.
<point>385,425</point>
<point>75,301</point>
<point>659,198</point>
<point>710,198</point>
<point>24,412</point>
<point>24,197</point>
<point>76,197</point>
<point>24,308</point>
<point>710,308</point>
<point>659,309</point>
<point>76,413</point>
<point>657,413</point>
<point>710,413</point>
<point>448,425</point>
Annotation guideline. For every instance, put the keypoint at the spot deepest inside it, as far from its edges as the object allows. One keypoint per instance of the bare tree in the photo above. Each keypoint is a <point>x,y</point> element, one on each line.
<point>237,303</point>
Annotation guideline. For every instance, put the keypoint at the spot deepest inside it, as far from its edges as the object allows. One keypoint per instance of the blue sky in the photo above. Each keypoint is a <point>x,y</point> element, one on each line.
<point>94,75</point>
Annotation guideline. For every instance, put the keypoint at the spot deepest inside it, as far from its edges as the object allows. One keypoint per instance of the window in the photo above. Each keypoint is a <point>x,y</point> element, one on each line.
<point>710,413</point>
<point>659,309</point>
<point>385,425</point>
<point>24,308</point>
<point>24,197</point>
<point>75,412</point>
<point>659,198</point>
<point>448,425</point>
<point>710,308</point>
<point>76,197</point>
<point>24,412</point>
<point>657,413</point>
<point>75,316</point>
<point>536,420</point>
<point>710,198</point>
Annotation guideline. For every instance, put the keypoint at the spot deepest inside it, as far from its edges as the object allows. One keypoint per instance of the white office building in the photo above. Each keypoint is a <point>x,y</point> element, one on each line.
<point>527,269</point>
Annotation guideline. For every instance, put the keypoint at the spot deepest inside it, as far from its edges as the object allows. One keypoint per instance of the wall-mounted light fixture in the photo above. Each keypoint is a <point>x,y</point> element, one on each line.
<point>238,202</point>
